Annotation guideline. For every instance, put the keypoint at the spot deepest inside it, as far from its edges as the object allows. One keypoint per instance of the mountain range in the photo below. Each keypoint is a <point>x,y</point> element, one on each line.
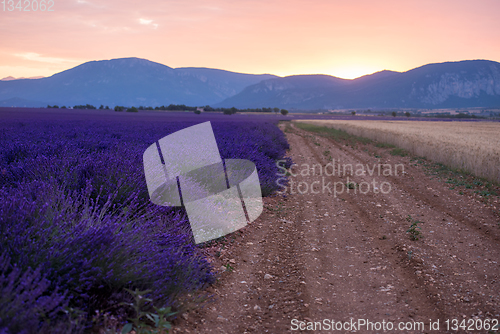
<point>474,83</point>
<point>134,81</point>
<point>130,82</point>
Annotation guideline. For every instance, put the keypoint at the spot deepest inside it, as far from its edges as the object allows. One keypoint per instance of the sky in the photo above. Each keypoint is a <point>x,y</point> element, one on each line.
<point>344,38</point>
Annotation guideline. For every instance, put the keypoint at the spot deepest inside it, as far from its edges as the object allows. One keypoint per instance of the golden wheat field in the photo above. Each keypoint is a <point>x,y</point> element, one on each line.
<point>471,146</point>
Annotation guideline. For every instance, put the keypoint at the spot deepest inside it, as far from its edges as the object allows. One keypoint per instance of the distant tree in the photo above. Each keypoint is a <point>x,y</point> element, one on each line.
<point>407,114</point>
<point>87,106</point>
<point>49,106</point>
<point>284,112</point>
<point>394,114</point>
<point>107,108</point>
<point>197,112</point>
<point>101,107</point>
<point>229,111</point>
<point>63,107</point>
<point>276,110</point>
<point>353,113</point>
<point>132,109</point>
<point>208,108</point>
<point>119,108</point>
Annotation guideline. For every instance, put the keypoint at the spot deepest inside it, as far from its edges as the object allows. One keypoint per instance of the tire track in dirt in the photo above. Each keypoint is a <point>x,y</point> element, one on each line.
<point>393,252</point>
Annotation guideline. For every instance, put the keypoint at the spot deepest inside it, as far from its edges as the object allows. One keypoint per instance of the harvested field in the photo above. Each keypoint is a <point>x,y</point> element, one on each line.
<point>470,146</point>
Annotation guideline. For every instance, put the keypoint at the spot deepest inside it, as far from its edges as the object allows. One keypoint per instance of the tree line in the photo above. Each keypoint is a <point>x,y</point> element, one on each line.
<point>179,107</point>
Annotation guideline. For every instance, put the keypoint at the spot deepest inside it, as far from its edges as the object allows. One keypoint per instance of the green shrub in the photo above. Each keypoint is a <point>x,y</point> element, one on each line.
<point>399,151</point>
<point>385,145</point>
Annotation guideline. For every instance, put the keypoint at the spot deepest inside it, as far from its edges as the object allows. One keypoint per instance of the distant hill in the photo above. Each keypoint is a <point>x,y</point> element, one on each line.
<point>131,81</point>
<point>470,83</point>
<point>9,78</point>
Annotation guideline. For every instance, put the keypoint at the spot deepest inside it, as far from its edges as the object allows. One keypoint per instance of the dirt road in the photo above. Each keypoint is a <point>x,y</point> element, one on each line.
<point>345,256</point>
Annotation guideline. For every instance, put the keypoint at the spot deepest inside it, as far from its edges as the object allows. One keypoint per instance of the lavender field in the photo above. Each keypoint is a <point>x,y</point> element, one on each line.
<point>76,224</point>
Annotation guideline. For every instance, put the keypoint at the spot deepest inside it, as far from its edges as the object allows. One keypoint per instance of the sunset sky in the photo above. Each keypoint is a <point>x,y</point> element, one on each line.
<point>283,37</point>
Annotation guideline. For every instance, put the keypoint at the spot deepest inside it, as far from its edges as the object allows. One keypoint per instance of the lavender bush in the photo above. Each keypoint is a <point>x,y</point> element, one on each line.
<point>25,305</point>
<point>74,205</point>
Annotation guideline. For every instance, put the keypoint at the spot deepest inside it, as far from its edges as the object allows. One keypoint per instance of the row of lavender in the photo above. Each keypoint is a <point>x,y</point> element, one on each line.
<point>77,227</point>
